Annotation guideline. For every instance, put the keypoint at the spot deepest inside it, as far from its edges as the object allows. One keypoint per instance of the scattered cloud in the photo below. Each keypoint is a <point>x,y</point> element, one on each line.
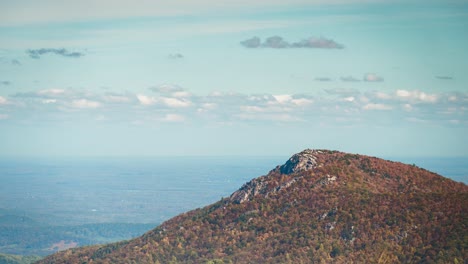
<point>373,106</point>
<point>146,100</point>
<point>116,98</point>
<point>6,83</point>
<point>166,88</point>
<point>444,77</point>
<point>162,106</point>
<point>323,79</point>
<point>278,42</point>
<point>5,60</point>
<point>175,102</point>
<point>173,118</point>
<point>176,56</point>
<point>3,100</point>
<point>15,62</point>
<point>254,42</point>
<point>37,53</point>
<point>3,116</point>
<point>342,91</point>
<point>349,79</point>
<point>416,95</point>
<point>85,104</point>
<point>372,77</point>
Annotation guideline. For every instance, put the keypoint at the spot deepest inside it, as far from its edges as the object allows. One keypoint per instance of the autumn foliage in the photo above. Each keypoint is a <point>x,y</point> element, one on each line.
<point>348,209</point>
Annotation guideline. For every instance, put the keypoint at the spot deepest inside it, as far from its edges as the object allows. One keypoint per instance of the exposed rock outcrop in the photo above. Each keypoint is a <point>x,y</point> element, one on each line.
<point>302,161</point>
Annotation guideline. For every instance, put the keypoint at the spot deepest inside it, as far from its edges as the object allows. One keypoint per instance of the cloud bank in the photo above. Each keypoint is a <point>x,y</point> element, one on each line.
<point>171,103</point>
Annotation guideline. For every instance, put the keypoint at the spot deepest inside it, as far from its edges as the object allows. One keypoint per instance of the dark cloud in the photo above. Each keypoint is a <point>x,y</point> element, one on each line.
<point>251,43</point>
<point>176,56</point>
<point>5,82</point>
<point>10,61</point>
<point>323,79</point>
<point>277,42</point>
<point>15,62</point>
<point>444,77</point>
<point>318,43</point>
<point>37,53</point>
<point>349,79</point>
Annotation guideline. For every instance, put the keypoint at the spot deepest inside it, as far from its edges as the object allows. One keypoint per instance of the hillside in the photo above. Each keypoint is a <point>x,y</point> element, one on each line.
<point>319,207</point>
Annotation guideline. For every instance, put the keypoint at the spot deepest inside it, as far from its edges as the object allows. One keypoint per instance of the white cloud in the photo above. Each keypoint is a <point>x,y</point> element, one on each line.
<point>85,104</point>
<point>282,98</point>
<point>173,118</point>
<point>407,107</point>
<point>3,116</point>
<point>372,106</point>
<point>3,100</point>
<point>301,101</point>
<point>372,77</point>
<point>181,94</point>
<point>51,92</point>
<point>145,100</point>
<point>175,102</point>
<point>115,98</point>
<point>250,108</point>
<point>416,96</point>
<point>49,101</point>
<point>349,99</point>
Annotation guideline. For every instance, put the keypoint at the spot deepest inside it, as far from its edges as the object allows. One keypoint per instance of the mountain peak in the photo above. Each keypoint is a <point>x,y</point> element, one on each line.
<point>319,206</point>
<point>302,161</point>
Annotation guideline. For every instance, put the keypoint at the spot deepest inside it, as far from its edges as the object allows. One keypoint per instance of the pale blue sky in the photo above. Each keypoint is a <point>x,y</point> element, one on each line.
<point>142,78</point>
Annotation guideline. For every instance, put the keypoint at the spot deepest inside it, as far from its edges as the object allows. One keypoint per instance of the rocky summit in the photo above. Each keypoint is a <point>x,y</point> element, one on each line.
<point>320,206</point>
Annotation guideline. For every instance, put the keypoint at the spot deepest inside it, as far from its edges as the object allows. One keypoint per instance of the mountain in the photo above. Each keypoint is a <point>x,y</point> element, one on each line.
<point>319,207</point>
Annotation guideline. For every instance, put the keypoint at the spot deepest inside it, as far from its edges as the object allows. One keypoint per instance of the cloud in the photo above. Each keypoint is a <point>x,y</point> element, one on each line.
<point>416,95</point>
<point>6,83</point>
<point>372,77</point>
<point>342,91</point>
<point>278,42</point>
<point>176,56</point>
<point>334,104</point>
<point>443,77</point>
<point>175,102</point>
<point>3,116</point>
<point>319,43</point>
<point>173,118</point>
<point>323,79</point>
<point>116,98</point>
<point>254,42</point>
<point>15,62</point>
<point>275,42</point>
<point>146,100</point>
<point>166,88</point>
<point>372,106</point>
<point>3,100</point>
<point>85,104</point>
<point>349,79</point>
<point>37,53</point>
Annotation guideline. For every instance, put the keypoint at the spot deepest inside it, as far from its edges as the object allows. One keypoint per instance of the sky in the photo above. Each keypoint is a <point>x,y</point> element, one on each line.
<point>209,78</point>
